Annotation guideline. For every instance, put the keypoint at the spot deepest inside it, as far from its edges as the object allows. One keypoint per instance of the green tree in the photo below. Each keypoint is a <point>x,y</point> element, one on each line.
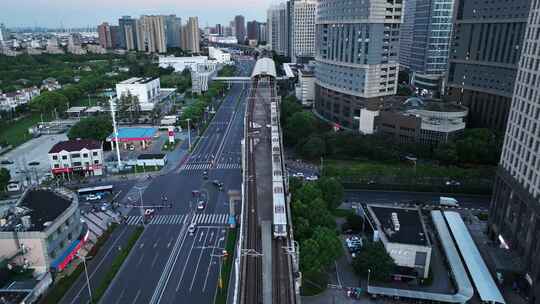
<point>308,193</point>
<point>97,128</point>
<point>309,256</point>
<point>332,191</point>
<point>374,257</point>
<point>299,126</point>
<point>328,240</point>
<point>72,93</point>
<point>48,102</point>
<point>289,106</point>
<point>313,148</point>
<point>446,153</point>
<point>5,177</point>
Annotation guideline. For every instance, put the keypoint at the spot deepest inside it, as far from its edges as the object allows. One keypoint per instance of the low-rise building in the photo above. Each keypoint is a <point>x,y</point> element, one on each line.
<point>50,84</point>
<point>181,63</point>
<point>147,160</point>
<point>42,231</point>
<point>220,56</point>
<point>403,234</point>
<point>11,100</point>
<point>147,91</point>
<point>425,121</point>
<point>82,156</point>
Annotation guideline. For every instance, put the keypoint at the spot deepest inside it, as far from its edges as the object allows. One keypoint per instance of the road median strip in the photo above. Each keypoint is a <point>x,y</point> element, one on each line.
<point>226,267</point>
<point>116,264</point>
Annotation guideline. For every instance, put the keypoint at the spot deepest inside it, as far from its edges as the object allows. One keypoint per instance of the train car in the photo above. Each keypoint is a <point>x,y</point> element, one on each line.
<point>279,216</point>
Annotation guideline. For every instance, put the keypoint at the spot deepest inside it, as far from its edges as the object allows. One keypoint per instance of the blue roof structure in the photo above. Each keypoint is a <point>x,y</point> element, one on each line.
<point>139,133</point>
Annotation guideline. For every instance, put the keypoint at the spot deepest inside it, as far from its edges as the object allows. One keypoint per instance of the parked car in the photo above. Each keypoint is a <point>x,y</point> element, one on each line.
<point>93,197</point>
<point>299,175</point>
<point>6,162</point>
<point>452,183</point>
<point>312,178</point>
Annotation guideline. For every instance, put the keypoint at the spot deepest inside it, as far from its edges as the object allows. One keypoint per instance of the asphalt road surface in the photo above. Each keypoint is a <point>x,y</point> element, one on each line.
<point>168,264</point>
<point>472,202</point>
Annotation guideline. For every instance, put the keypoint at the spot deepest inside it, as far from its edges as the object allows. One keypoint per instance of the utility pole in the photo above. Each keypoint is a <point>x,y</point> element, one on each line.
<point>115,130</point>
<point>189,132</point>
<point>83,258</point>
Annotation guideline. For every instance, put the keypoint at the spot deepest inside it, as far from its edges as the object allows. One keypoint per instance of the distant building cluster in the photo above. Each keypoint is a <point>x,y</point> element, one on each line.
<point>151,33</point>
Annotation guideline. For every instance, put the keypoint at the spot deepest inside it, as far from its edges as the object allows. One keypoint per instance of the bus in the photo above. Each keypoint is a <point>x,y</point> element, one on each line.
<point>96,191</point>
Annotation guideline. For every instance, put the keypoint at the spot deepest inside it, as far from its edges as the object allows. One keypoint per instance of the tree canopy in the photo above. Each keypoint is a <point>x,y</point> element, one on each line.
<point>47,102</point>
<point>332,191</point>
<point>374,257</point>
<point>5,177</point>
<point>97,128</point>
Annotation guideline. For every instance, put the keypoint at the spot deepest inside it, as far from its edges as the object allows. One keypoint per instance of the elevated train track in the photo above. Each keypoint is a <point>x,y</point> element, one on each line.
<point>263,134</point>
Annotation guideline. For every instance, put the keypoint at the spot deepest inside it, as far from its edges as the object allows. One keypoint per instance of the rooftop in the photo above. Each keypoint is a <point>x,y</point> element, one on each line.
<point>135,133</point>
<point>138,80</point>
<point>76,145</point>
<point>410,230</point>
<point>151,156</point>
<point>44,206</point>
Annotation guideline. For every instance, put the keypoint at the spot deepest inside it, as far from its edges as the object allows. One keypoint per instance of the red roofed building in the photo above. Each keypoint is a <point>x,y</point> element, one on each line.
<point>83,156</point>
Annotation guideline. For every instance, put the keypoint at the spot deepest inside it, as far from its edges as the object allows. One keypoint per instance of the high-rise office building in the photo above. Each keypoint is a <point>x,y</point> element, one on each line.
<point>278,28</point>
<point>240,28</point>
<point>219,29</point>
<point>173,30</point>
<point>425,40</point>
<point>486,45</point>
<point>253,30</point>
<point>356,56</point>
<point>514,217</point>
<point>3,32</point>
<point>104,35</point>
<point>191,36</point>
<point>263,32</point>
<point>115,36</point>
<point>128,33</point>
<point>303,30</point>
<point>153,33</point>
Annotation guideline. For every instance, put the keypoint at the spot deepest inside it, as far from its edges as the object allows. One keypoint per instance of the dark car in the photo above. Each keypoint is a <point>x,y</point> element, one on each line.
<point>6,162</point>
<point>205,174</point>
<point>218,184</point>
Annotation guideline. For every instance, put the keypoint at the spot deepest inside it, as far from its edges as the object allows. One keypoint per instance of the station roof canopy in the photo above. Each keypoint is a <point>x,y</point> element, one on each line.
<point>411,229</point>
<point>481,277</point>
<point>264,67</point>
<point>133,134</point>
<point>75,110</point>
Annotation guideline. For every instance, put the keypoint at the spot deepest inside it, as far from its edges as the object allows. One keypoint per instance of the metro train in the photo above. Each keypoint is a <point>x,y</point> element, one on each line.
<point>278,195</point>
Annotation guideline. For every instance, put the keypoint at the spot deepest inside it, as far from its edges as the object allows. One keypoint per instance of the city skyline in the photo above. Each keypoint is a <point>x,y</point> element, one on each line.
<point>74,14</point>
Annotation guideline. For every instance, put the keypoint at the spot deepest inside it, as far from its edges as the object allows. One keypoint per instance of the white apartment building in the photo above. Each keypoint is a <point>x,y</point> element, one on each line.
<point>219,55</point>
<point>201,78</point>
<point>303,29</point>
<point>10,101</point>
<point>181,63</point>
<point>147,90</point>
<point>83,156</point>
<point>220,39</point>
<point>305,88</point>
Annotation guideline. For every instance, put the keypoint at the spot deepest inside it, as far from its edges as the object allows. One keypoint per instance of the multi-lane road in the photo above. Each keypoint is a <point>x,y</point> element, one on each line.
<point>168,264</point>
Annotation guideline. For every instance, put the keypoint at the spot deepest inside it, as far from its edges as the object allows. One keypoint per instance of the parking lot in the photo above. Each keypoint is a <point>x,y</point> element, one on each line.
<point>34,151</point>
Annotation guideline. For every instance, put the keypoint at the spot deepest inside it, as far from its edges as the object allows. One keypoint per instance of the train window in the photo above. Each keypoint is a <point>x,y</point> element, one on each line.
<point>278,189</point>
<point>279,209</point>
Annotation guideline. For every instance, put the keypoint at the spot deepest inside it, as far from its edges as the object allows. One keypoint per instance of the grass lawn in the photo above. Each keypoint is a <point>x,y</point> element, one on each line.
<point>16,133</point>
<point>226,267</point>
<point>345,168</point>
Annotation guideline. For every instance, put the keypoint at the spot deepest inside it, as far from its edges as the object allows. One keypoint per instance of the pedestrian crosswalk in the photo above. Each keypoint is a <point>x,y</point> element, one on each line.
<point>206,166</point>
<point>178,219</point>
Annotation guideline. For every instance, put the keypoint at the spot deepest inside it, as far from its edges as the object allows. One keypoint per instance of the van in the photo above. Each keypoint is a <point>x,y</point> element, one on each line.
<point>448,201</point>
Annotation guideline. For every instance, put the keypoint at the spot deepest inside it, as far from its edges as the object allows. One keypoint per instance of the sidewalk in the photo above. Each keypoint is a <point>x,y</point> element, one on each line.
<point>98,266</point>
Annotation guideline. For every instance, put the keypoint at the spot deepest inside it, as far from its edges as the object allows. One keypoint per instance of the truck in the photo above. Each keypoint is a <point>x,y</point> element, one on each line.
<point>448,201</point>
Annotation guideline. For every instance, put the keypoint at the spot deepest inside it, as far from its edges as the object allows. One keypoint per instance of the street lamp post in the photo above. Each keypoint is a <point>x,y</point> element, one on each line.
<point>83,258</point>
<point>141,205</point>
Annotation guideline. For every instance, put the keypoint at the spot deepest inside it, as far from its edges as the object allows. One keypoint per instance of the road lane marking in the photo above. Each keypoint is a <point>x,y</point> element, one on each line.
<point>199,260</point>
<point>185,266</point>
<point>137,296</point>
<point>216,244</point>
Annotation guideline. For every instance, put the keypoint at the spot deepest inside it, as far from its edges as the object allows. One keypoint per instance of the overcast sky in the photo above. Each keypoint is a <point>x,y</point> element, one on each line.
<point>75,13</point>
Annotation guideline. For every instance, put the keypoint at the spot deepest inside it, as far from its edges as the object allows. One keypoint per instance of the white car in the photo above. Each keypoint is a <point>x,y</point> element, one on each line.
<point>192,227</point>
<point>201,205</point>
<point>312,178</point>
<point>93,197</point>
<point>298,174</point>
